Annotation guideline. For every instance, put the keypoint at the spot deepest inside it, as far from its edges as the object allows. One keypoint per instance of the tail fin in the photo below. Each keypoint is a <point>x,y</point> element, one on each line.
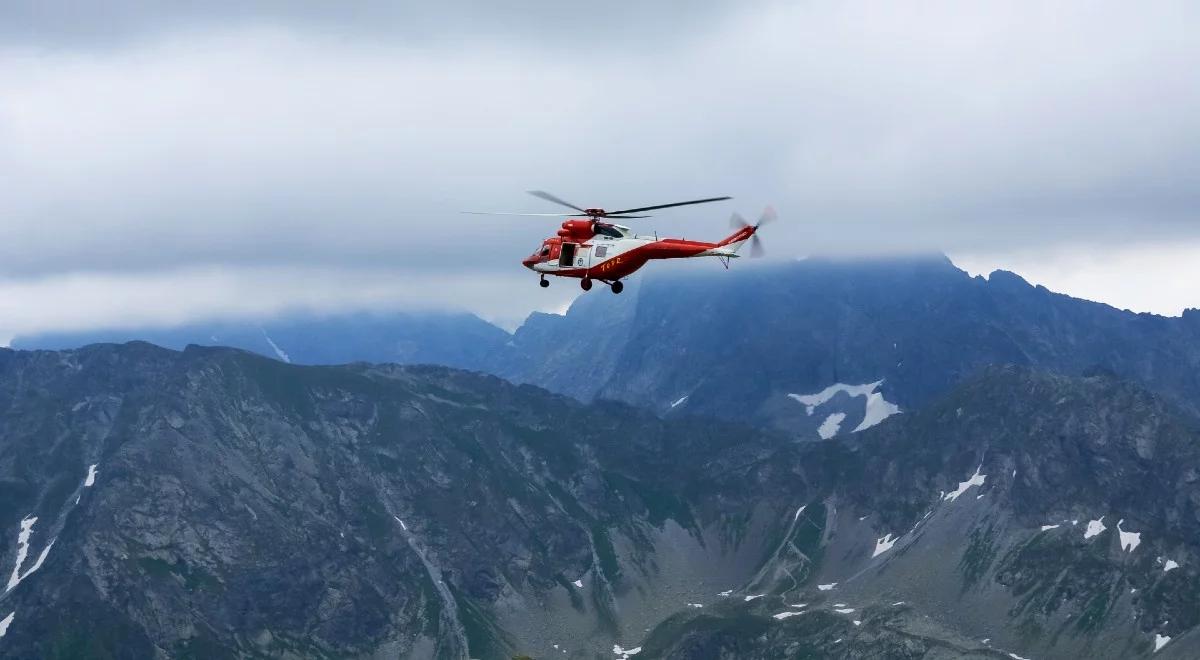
<point>737,238</point>
<point>747,232</point>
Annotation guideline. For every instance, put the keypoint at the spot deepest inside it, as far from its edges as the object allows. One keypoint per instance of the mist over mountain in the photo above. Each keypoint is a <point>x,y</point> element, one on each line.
<point>737,345</point>
<point>452,339</point>
<point>813,459</point>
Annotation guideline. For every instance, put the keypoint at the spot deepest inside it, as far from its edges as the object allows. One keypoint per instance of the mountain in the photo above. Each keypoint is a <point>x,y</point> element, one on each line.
<point>821,346</point>
<point>1023,515</point>
<point>453,339</point>
<point>214,503</point>
<point>814,348</point>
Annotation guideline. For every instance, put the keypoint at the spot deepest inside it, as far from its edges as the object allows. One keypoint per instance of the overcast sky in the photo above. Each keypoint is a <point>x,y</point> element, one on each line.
<point>161,162</point>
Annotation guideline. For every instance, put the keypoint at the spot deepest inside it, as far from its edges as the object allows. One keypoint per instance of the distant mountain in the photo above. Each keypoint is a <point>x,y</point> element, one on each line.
<point>452,339</point>
<point>815,348</point>
<point>214,503</point>
<point>754,344</point>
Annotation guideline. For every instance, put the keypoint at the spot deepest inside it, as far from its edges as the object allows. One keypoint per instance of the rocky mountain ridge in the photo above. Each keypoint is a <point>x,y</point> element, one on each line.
<point>213,503</point>
<point>747,344</point>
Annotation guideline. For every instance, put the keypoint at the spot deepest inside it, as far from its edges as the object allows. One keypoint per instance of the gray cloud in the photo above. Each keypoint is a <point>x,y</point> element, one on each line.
<point>297,137</point>
<point>64,24</point>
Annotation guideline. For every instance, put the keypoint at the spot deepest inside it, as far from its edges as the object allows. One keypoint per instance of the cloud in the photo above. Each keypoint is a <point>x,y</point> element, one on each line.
<point>1159,277</point>
<point>297,138</point>
<point>176,296</point>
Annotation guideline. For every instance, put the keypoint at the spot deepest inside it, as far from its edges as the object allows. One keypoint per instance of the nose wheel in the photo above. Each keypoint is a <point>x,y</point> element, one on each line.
<point>617,287</point>
<point>544,282</point>
<point>585,284</point>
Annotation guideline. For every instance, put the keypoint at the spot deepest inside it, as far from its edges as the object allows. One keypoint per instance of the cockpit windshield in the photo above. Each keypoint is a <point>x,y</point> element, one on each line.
<point>608,230</point>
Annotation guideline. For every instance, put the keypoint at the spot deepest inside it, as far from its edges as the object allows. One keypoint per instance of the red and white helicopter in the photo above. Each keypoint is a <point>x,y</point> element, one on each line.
<point>588,247</point>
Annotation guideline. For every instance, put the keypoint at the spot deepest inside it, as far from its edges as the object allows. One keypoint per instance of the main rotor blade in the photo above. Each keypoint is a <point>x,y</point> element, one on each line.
<point>609,215</point>
<point>667,206</point>
<point>542,194</point>
<point>543,215</point>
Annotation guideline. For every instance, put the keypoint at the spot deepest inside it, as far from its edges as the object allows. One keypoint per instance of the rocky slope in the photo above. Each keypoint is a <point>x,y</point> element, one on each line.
<point>736,344</point>
<point>239,506</point>
<point>1025,514</point>
<point>213,503</point>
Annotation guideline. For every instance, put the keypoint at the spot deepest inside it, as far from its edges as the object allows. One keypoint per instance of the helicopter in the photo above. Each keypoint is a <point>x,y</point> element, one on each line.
<point>590,248</point>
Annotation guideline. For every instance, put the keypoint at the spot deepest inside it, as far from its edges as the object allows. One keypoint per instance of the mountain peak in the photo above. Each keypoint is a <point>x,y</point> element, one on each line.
<point>1007,279</point>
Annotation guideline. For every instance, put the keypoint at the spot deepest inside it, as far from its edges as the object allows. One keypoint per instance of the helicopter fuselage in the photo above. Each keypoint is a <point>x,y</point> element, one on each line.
<point>588,249</point>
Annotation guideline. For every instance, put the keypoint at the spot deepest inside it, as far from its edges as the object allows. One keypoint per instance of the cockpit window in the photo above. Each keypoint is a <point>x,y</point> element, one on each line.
<point>545,250</point>
<point>607,230</point>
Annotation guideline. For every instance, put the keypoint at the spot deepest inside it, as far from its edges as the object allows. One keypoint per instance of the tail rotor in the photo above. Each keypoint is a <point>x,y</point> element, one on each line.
<point>738,222</point>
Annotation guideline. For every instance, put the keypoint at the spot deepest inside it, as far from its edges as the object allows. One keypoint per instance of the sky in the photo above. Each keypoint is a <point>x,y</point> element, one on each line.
<point>168,162</point>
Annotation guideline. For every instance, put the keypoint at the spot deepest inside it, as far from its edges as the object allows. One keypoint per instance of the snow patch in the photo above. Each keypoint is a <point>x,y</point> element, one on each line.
<point>278,351</point>
<point>830,426</point>
<point>856,622</point>
<point>826,587</point>
<point>578,584</point>
<point>1159,641</point>
<point>1094,528</point>
<point>38,564</point>
<point>625,653</point>
<point>679,401</point>
<point>878,409</point>
<point>798,605</point>
<point>402,525</point>
<point>798,512</point>
<point>1170,565</point>
<point>4,623</point>
<point>844,610</point>
<point>91,476</point>
<point>884,544</point>
<point>875,410</point>
<point>22,551</point>
<point>725,594</point>
<point>750,598</point>
<point>1129,540</point>
<point>1014,656</point>
<point>695,605</point>
<point>1046,528</point>
<point>976,479</point>
<point>783,615</point>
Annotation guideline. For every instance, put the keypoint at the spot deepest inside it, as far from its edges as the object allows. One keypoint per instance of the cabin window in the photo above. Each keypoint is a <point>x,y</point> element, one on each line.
<point>601,250</point>
<point>607,230</point>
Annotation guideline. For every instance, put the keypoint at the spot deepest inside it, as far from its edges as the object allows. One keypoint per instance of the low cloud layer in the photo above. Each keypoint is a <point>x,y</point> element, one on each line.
<point>290,137</point>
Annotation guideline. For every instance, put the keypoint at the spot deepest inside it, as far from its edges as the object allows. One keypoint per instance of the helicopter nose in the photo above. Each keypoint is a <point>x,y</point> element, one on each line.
<point>528,262</point>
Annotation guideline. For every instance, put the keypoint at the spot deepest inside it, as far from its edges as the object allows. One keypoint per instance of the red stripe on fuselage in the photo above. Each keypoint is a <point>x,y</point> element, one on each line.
<point>626,263</point>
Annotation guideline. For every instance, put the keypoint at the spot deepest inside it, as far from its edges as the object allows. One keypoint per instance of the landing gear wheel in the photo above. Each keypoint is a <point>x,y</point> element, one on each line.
<point>544,283</point>
<point>586,284</point>
<point>618,287</point>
